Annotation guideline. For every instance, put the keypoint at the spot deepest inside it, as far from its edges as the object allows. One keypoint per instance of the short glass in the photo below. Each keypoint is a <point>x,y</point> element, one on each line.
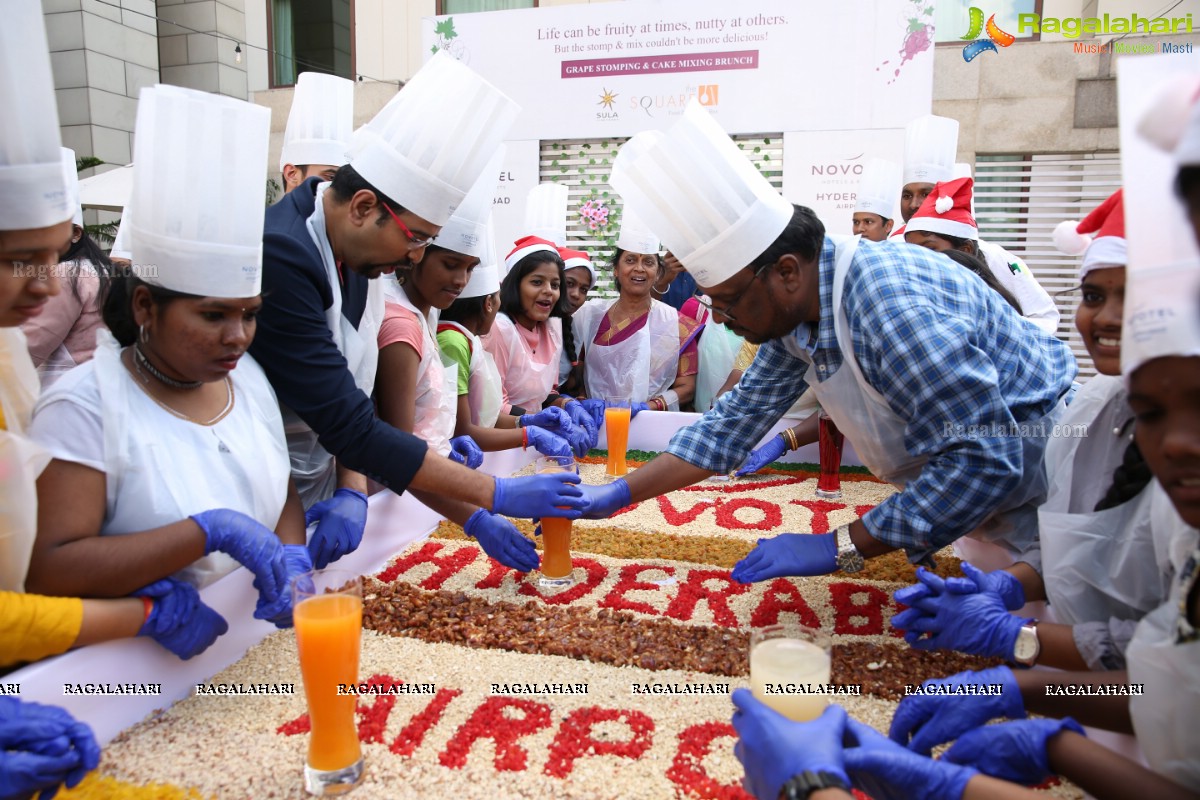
<point>327,612</point>
<point>786,662</point>
<point>616,428</point>
<point>556,532</point>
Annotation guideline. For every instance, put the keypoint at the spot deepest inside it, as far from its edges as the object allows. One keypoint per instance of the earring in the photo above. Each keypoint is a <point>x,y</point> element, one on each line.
<point>143,337</point>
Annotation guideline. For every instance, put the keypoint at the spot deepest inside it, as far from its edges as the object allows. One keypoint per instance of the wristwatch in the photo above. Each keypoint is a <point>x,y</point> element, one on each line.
<point>848,557</point>
<point>1027,647</point>
<point>807,782</point>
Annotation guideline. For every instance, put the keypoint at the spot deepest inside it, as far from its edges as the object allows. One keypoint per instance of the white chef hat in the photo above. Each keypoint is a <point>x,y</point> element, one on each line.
<point>485,278</point>
<point>32,194</point>
<point>705,200</point>
<point>120,245</point>
<point>930,144</point>
<point>432,141</point>
<point>467,231</point>
<point>635,236</point>
<point>1162,296</point>
<point>71,184</point>
<point>320,122</point>
<point>879,188</point>
<point>546,212</point>
<point>198,190</point>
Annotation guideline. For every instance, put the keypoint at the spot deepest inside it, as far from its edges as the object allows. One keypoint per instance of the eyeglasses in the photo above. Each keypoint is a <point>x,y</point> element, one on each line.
<point>727,311</point>
<point>414,243</point>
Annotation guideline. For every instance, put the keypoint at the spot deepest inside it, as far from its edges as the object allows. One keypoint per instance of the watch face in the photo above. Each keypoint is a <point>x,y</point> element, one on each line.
<point>1026,648</point>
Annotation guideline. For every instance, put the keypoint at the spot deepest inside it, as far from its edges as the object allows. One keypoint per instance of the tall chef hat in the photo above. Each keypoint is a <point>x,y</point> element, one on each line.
<point>1162,298</point>
<point>703,197</point>
<point>32,194</point>
<point>879,188</point>
<point>1099,237</point>
<point>577,258</point>
<point>198,190</point>
<point>71,184</point>
<point>635,236</point>
<point>546,212</point>
<point>320,122</point>
<point>468,231</point>
<point>485,278</point>
<point>120,245</point>
<point>930,145</point>
<point>426,148</point>
<point>947,210</point>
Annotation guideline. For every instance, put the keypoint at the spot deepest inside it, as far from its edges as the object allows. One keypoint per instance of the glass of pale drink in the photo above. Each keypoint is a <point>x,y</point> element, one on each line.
<point>789,665</point>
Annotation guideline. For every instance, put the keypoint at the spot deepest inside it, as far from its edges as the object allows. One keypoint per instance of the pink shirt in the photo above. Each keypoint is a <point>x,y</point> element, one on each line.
<point>67,320</point>
<point>401,325</point>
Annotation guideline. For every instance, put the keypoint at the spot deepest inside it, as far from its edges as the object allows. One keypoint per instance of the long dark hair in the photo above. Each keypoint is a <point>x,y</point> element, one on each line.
<point>117,304</point>
<point>618,253</point>
<point>510,294</point>
<point>980,268</point>
<point>89,257</point>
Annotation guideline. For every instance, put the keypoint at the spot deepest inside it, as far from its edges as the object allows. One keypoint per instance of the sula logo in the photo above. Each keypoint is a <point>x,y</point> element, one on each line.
<point>977,45</point>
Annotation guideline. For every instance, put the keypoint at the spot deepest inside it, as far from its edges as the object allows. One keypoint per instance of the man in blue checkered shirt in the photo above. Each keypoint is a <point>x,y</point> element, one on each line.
<point>951,395</point>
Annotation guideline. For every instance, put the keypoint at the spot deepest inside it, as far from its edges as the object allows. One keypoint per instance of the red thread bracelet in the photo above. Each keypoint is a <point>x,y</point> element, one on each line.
<point>148,607</point>
<point>524,438</point>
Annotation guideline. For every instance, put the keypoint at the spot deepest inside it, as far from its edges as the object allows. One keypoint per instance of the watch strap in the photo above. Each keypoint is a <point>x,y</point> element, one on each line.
<point>848,557</point>
<point>801,786</point>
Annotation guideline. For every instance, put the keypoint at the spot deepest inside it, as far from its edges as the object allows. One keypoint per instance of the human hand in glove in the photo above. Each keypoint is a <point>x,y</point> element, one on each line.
<point>561,423</point>
<point>606,499</point>
<point>42,747</point>
<point>773,748</point>
<point>251,544</point>
<point>595,408</point>
<point>976,623</point>
<point>547,443</point>
<point>887,771</point>
<point>1014,751</point>
<point>340,523</point>
<point>635,407</point>
<point>180,621</point>
<point>931,719</point>
<point>788,555</point>
<point>464,450</point>
<point>501,540</point>
<point>299,565</point>
<point>584,420</point>
<point>767,454</point>
<point>551,494</point>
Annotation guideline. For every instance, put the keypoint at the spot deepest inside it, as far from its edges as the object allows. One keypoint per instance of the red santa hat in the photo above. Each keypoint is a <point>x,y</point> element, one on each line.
<point>528,245</point>
<point>947,211</point>
<point>1099,237</point>
<point>577,258</point>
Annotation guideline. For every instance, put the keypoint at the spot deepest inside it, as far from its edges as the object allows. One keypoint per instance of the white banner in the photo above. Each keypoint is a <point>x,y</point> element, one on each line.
<point>821,170</point>
<point>518,176</point>
<point>615,69</point>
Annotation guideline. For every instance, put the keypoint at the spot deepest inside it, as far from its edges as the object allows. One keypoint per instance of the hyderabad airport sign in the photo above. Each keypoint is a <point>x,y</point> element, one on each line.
<point>1074,27</point>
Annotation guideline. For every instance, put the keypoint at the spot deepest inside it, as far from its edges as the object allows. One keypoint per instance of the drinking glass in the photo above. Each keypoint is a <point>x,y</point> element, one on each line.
<point>786,663</point>
<point>556,532</point>
<point>829,445</point>
<point>616,427</point>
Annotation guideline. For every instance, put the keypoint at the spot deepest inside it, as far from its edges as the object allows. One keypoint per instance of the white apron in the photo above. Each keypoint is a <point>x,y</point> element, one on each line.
<point>436,401</point>
<point>312,467</point>
<point>1165,716</point>
<point>717,350</point>
<point>526,384</point>
<point>21,461</point>
<point>877,433</point>
<point>643,366</point>
<point>1096,564</point>
<point>160,469</point>
<point>485,393</point>
<point>58,364</point>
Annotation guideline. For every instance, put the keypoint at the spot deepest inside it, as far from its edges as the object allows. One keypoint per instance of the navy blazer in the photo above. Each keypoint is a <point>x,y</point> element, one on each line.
<point>296,350</point>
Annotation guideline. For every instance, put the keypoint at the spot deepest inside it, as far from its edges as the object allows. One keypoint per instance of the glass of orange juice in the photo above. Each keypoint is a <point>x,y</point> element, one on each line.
<point>789,664</point>
<point>556,532</point>
<point>327,612</point>
<point>616,428</point>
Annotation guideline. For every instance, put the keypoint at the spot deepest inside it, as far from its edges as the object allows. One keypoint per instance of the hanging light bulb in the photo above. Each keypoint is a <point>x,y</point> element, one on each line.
<point>237,52</point>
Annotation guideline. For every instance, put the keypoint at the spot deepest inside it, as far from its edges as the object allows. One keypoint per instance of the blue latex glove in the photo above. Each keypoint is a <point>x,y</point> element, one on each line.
<point>605,500</point>
<point>340,523</point>
<point>42,747</point>
<point>975,623</point>
<point>887,771</point>
<point>999,583</point>
<point>180,621</point>
<point>501,540</point>
<point>767,454</point>
<point>635,408</point>
<point>596,409</point>
<point>788,555</point>
<point>773,748</point>
<point>547,443</point>
<point>933,719</point>
<point>464,450</point>
<point>1014,751</point>
<point>584,421</point>
<point>299,564</point>
<point>551,494</point>
<point>251,544</point>
<point>559,422</point>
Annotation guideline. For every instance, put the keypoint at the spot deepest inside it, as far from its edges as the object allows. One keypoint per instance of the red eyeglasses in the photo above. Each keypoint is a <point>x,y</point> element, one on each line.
<point>414,243</point>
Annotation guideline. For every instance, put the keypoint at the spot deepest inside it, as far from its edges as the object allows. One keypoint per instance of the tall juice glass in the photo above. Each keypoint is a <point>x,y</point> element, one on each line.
<point>786,663</point>
<point>829,445</point>
<point>556,532</point>
<point>616,427</point>
<point>328,616</point>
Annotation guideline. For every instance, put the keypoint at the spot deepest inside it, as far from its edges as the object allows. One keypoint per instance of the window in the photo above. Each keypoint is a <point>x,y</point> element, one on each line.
<point>952,18</point>
<point>469,6</point>
<point>310,36</point>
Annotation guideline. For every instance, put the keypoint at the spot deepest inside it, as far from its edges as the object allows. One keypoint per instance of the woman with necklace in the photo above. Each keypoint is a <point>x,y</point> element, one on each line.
<point>636,346</point>
<point>168,450</point>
